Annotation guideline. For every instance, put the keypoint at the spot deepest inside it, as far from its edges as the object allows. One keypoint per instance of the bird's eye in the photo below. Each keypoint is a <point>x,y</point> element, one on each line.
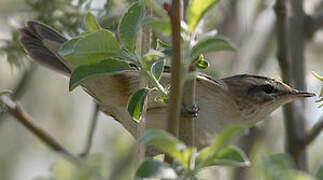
<point>267,88</point>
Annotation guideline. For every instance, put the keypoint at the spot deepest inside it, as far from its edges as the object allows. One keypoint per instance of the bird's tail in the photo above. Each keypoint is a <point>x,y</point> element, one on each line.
<point>111,92</point>
<point>41,43</point>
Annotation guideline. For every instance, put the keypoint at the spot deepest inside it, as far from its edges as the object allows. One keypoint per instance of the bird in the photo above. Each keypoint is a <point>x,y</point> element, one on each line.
<point>242,99</point>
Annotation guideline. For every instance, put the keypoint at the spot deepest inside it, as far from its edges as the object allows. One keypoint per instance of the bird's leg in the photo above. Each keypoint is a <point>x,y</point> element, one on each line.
<point>190,111</point>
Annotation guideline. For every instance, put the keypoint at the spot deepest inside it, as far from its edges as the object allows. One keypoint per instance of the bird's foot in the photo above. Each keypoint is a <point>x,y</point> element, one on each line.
<point>191,111</point>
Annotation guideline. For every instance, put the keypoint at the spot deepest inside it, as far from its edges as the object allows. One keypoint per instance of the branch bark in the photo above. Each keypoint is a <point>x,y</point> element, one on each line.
<point>291,37</point>
<point>93,121</point>
<point>177,69</point>
<point>313,133</point>
<point>145,46</point>
<point>187,122</point>
<point>17,111</point>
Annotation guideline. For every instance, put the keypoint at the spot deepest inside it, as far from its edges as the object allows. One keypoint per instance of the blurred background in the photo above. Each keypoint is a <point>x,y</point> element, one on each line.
<point>250,24</point>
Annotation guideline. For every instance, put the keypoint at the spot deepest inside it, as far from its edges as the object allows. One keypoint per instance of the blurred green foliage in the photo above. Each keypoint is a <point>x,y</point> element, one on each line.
<point>280,167</point>
<point>95,167</point>
<point>62,15</point>
<point>65,16</point>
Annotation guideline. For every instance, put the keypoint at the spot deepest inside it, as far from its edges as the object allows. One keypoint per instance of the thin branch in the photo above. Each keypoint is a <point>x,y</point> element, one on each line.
<point>177,69</point>
<point>93,121</point>
<point>145,46</point>
<point>313,133</point>
<point>314,23</point>
<point>21,85</point>
<point>187,122</point>
<point>17,111</point>
<point>23,82</point>
<point>280,11</point>
<point>291,24</point>
<point>173,121</point>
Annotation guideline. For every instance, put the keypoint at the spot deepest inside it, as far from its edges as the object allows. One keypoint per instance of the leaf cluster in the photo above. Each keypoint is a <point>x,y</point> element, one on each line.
<point>100,52</point>
<point>188,162</point>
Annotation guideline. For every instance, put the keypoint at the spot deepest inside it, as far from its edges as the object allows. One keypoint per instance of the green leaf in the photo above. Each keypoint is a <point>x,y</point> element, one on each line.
<point>321,93</point>
<point>169,145</point>
<point>222,140</point>
<point>150,58</point>
<point>136,103</point>
<point>151,168</point>
<point>228,136</point>
<point>130,26</point>
<point>90,49</point>
<point>319,173</point>
<point>156,7</point>
<point>201,62</point>
<point>317,76</point>
<point>5,91</point>
<point>196,11</point>
<point>211,44</point>
<point>159,25</point>
<point>320,100</point>
<point>158,68</point>
<point>91,23</point>
<point>69,46</point>
<point>229,156</point>
<point>105,67</point>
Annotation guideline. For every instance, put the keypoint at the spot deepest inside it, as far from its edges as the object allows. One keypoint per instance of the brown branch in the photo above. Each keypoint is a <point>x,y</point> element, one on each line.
<point>17,111</point>
<point>93,121</point>
<point>177,69</point>
<point>186,131</point>
<point>313,133</point>
<point>176,88</point>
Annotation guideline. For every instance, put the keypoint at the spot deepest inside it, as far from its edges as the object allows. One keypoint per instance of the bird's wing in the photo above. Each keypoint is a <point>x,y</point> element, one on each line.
<point>211,83</point>
<point>112,92</point>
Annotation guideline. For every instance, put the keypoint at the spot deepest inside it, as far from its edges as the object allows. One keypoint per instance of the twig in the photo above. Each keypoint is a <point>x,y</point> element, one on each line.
<point>314,22</point>
<point>280,10</point>
<point>121,167</point>
<point>93,121</point>
<point>177,69</point>
<point>313,133</point>
<point>145,46</point>
<point>23,82</point>
<point>21,86</point>
<point>187,122</point>
<point>16,110</point>
<point>176,88</point>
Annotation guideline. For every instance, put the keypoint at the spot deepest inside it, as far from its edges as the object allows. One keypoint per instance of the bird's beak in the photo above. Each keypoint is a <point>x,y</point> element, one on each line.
<point>300,94</point>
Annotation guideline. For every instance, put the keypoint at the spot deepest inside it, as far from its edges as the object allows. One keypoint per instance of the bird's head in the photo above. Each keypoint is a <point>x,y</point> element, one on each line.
<point>257,96</point>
